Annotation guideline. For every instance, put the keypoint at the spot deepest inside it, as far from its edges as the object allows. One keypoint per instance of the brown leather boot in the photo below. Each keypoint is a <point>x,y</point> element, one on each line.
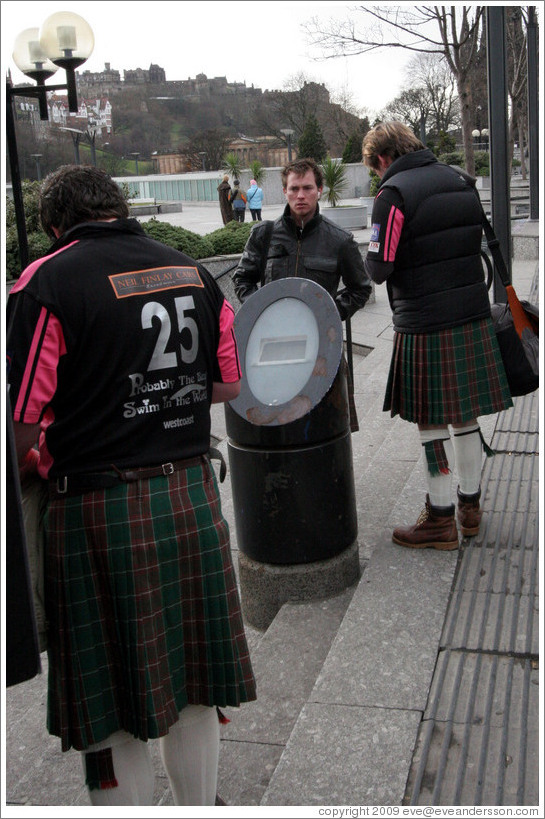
<point>469,513</point>
<point>435,528</point>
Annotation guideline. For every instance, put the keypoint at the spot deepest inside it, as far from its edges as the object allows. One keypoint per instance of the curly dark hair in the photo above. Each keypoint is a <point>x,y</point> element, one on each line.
<point>300,167</point>
<point>79,193</point>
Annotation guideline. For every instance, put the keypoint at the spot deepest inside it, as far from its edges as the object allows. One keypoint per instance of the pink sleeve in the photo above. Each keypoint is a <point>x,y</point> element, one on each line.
<point>40,375</point>
<point>393,232</point>
<point>228,362</point>
<point>30,270</point>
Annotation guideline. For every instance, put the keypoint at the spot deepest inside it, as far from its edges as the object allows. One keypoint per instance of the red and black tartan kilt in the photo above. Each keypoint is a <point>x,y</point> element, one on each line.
<point>143,608</point>
<point>447,377</point>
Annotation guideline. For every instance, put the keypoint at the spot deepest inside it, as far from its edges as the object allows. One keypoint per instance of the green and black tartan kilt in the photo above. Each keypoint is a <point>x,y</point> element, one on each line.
<point>143,608</point>
<point>447,377</point>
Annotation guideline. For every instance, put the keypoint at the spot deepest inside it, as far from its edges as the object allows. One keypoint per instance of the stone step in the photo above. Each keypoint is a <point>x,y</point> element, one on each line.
<point>289,657</point>
<point>287,661</point>
<point>353,741</point>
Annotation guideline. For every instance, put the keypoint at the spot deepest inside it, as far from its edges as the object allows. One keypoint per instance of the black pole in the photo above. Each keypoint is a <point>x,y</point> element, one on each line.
<point>497,119</point>
<point>75,140</point>
<point>38,167</point>
<point>71,89</point>
<point>91,138</point>
<point>38,92</point>
<point>16,180</point>
<point>349,353</point>
<point>533,118</point>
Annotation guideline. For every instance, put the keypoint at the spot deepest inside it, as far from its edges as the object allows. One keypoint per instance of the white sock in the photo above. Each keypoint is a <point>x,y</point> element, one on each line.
<point>190,754</point>
<point>468,451</point>
<point>439,483</point>
<point>132,768</point>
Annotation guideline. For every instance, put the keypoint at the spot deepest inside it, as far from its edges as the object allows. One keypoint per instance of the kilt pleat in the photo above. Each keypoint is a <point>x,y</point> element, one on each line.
<point>447,377</point>
<point>143,608</point>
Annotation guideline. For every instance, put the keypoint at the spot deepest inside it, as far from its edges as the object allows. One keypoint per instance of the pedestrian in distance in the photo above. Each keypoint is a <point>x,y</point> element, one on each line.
<point>303,243</point>
<point>446,368</point>
<point>226,208</point>
<point>254,195</point>
<point>117,347</point>
<point>238,201</point>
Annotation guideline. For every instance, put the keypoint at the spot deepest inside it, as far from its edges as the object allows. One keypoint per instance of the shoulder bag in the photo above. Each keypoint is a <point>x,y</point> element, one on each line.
<point>516,324</point>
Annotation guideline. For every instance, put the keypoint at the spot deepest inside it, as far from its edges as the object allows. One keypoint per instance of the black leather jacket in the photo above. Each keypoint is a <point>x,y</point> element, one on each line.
<point>319,251</point>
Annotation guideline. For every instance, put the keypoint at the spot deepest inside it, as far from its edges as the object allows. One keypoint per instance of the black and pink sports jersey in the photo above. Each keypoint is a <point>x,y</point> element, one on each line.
<point>114,341</point>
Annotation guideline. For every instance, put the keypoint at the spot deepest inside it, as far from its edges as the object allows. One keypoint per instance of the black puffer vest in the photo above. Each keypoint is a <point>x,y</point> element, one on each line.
<point>438,281</point>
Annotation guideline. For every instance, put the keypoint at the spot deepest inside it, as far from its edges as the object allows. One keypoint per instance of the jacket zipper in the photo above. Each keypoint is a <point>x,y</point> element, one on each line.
<point>299,238</point>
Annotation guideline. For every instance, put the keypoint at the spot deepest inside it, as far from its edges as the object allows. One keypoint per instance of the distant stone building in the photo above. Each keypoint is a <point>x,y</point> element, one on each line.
<point>92,113</point>
<point>154,75</point>
<point>267,149</point>
<point>206,88</point>
<point>200,87</point>
<point>105,82</point>
<point>170,162</point>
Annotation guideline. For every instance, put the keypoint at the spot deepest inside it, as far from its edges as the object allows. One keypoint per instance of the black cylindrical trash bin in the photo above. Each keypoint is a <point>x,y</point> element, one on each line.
<point>289,439</point>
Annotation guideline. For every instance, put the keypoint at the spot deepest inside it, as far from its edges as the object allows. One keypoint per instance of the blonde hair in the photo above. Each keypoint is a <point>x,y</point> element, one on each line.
<point>392,139</point>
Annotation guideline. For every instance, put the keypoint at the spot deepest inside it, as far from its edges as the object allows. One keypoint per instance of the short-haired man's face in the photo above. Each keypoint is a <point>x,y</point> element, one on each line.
<point>302,194</point>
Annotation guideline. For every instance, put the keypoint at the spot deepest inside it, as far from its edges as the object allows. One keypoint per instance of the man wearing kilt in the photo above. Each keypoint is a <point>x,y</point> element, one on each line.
<point>117,346</point>
<point>446,368</point>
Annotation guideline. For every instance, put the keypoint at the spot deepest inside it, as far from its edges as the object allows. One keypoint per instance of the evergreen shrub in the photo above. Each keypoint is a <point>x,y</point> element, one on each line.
<point>198,247</point>
<point>230,239</point>
<point>38,241</point>
<point>453,158</point>
<point>374,183</point>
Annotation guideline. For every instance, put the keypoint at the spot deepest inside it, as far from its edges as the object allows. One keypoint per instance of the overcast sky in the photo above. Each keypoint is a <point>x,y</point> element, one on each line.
<point>259,42</point>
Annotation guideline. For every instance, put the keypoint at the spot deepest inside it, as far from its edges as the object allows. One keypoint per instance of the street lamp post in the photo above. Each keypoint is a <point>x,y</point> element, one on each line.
<point>136,154</point>
<point>90,135</point>
<point>65,40</point>
<point>37,158</point>
<point>288,132</point>
<point>202,154</point>
<point>76,135</point>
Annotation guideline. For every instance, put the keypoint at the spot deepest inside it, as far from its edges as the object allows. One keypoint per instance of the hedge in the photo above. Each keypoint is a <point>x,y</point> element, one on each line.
<point>198,247</point>
<point>228,240</point>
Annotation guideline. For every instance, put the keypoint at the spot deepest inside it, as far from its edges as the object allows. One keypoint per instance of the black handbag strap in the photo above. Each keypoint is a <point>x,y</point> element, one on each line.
<point>494,246</point>
<point>491,239</point>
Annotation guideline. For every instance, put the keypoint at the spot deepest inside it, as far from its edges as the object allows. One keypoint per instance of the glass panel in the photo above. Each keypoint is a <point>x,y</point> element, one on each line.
<point>278,362</point>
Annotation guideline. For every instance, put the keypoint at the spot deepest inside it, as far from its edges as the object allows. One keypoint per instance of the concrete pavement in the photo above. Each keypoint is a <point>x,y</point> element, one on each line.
<point>418,686</point>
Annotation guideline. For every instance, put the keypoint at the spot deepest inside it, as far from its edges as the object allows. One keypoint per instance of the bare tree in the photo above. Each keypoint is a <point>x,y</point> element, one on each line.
<point>413,107</point>
<point>431,72</point>
<point>517,86</point>
<point>452,31</point>
<point>213,142</point>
